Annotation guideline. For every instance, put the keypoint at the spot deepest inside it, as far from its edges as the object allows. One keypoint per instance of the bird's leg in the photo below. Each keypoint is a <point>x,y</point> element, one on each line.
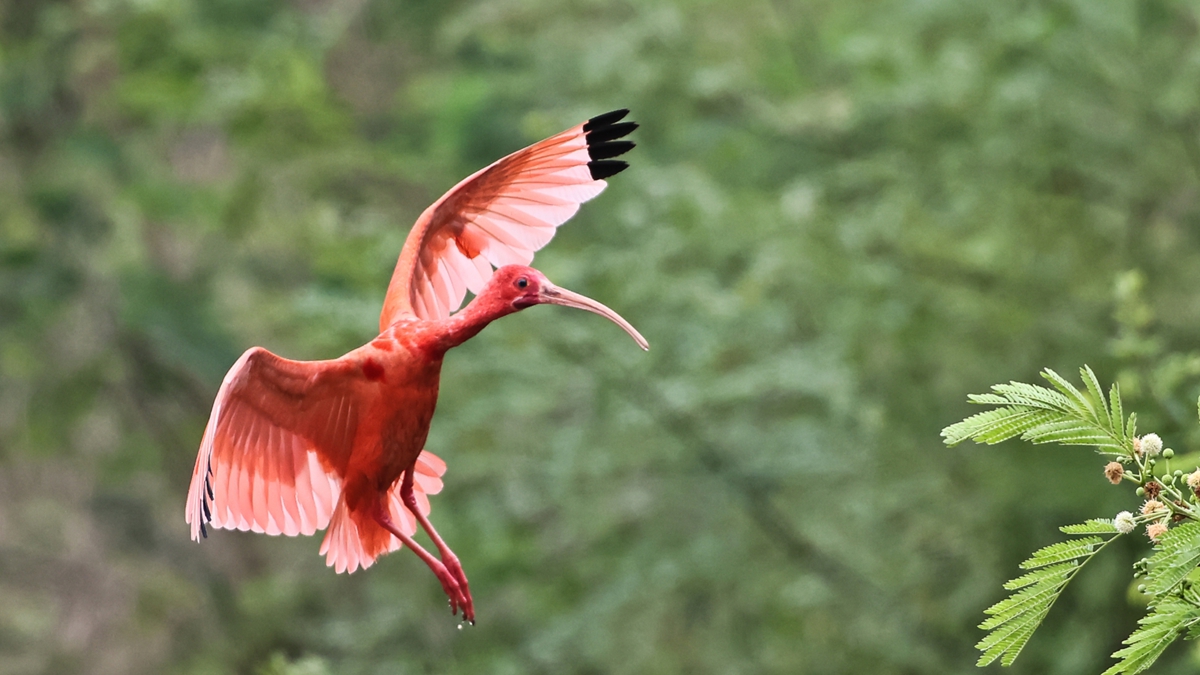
<point>448,557</point>
<point>454,590</point>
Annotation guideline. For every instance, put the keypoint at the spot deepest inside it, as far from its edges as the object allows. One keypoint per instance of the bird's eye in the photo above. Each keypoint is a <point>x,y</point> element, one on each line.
<point>522,282</point>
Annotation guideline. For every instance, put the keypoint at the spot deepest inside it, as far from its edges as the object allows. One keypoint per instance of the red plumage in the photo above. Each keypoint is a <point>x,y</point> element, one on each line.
<point>293,447</point>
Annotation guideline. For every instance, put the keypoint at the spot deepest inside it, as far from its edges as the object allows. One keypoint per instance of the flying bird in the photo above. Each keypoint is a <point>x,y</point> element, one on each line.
<point>292,447</point>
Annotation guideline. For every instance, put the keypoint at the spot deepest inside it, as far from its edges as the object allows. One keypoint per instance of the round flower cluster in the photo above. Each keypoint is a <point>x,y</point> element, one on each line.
<point>1151,445</point>
<point>1153,506</point>
<point>1152,489</point>
<point>1124,522</point>
<point>1193,481</point>
<point>1113,471</point>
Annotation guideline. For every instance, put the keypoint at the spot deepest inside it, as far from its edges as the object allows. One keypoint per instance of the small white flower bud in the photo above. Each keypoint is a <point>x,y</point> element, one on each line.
<point>1124,522</point>
<point>1193,480</point>
<point>1151,444</point>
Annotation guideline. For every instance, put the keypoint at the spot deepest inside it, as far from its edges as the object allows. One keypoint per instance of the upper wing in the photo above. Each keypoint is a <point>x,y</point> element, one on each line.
<point>276,445</point>
<point>500,215</point>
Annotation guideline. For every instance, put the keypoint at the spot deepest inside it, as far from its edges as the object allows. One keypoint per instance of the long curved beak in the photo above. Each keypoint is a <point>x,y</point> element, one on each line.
<point>553,295</point>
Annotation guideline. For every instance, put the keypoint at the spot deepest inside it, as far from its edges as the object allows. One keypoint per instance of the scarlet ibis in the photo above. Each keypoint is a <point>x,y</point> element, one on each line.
<point>292,447</point>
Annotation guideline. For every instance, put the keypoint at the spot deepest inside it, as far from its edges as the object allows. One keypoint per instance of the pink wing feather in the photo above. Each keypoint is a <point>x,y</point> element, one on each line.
<point>501,215</point>
<point>276,444</point>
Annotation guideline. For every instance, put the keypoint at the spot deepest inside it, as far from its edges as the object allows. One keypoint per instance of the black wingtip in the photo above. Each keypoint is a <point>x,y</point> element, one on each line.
<point>610,133</point>
<point>602,132</point>
<point>603,168</point>
<point>605,119</point>
<point>610,149</point>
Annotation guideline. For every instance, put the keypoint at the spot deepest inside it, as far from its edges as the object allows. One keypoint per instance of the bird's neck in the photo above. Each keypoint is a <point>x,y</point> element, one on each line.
<point>466,324</point>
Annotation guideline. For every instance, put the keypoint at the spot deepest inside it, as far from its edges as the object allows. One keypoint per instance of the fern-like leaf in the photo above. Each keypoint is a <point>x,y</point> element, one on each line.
<point>1174,608</point>
<point>1116,413</point>
<point>1093,526</point>
<point>1063,550</point>
<point>1012,621</point>
<point>1029,395</point>
<point>1063,414</point>
<point>1099,405</point>
<point>1001,424</point>
<point>1155,632</point>
<point>1178,554</point>
<point>1078,400</point>
<point>1071,432</point>
<point>1035,576</point>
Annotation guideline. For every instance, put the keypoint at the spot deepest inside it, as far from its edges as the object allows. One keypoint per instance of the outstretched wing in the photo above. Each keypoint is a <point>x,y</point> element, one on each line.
<point>500,215</point>
<point>276,446</point>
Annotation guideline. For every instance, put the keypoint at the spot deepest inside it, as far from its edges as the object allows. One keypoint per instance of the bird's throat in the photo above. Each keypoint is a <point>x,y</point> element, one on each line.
<point>467,323</point>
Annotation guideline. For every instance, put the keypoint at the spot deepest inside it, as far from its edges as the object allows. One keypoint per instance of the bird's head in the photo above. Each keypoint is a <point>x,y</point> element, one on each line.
<point>518,287</point>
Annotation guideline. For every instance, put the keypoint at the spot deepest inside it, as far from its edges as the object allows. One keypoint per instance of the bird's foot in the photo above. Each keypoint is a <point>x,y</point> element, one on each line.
<point>456,570</point>
<point>459,598</point>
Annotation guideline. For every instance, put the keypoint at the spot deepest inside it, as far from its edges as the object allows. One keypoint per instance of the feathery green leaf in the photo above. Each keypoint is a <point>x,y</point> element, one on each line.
<point>1178,554</point>
<point>1093,526</point>
<point>1012,621</point>
<point>1078,400</point>
<point>1029,395</point>
<point>1063,550</point>
<point>1071,432</point>
<point>1036,576</point>
<point>1100,404</point>
<point>1038,414</point>
<point>1116,413</point>
<point>1155,632</point>
<point>994,426</point>
<point>1009,642</point>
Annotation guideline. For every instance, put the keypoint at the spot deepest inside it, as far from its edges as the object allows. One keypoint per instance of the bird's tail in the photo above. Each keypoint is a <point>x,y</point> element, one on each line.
<point>354,538</point>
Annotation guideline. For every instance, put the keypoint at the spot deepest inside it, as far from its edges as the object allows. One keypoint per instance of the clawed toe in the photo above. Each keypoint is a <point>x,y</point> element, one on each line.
<point>468,605</point>
<point>454,591</point>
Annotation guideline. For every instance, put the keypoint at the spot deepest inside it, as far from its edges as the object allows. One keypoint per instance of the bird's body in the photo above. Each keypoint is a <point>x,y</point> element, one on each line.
<point>292,447</point>
<point>398,398</point>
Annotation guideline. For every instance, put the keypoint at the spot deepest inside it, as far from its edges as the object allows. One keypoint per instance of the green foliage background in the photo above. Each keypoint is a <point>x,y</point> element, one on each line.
<point>842,217</point>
